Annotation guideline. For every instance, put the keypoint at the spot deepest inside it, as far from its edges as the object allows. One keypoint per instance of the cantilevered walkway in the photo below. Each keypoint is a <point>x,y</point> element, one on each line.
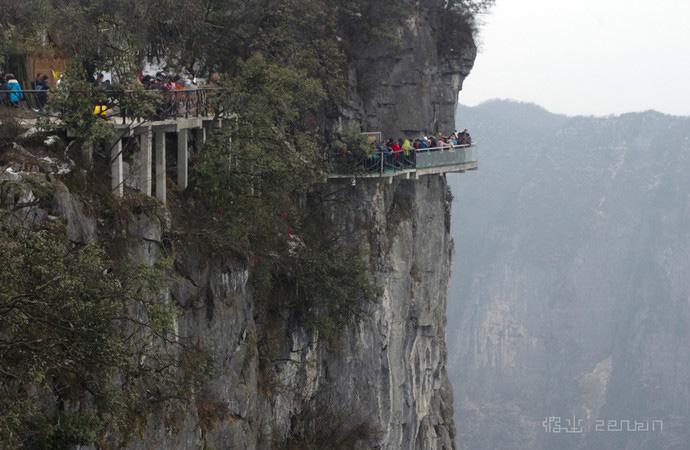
<point>186,114</point>
<point>420,162</point>
<point>183,118</point>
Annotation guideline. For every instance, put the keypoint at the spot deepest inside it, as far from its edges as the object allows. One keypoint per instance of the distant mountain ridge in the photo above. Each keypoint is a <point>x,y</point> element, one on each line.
<point>571,283</point>
<point>500,106</point>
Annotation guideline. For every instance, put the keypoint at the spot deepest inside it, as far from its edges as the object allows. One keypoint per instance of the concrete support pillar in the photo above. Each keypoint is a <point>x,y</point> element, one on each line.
<point>146,161</point>
<point>199,135</point>
<point>160,166</point>
<point>117,180</point>
<point>182,159</point>
<point>87,154</point>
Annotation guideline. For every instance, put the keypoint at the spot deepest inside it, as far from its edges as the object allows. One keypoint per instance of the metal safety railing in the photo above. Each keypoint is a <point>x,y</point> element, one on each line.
<point>445,156</point>
<point>24,99</point>
<point>118,104</point>
<point>383,162</point>
<point>184,103</point>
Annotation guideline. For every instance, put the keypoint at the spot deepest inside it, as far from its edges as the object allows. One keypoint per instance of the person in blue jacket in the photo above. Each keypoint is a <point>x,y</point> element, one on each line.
<point>15,95</point>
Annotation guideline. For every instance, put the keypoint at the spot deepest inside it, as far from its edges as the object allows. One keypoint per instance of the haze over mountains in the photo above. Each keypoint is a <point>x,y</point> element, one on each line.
<point>571,281</point>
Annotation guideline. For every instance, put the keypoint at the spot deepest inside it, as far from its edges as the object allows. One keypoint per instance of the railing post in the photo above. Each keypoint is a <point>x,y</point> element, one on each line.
<point>145,161</point>
<point>160,167</point>
<point>87,154</point>
<point>182,159</point>
<point>117,181</point>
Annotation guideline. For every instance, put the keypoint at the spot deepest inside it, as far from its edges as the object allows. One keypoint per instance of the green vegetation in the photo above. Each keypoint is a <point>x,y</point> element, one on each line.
<point>76,98</point>
<point>470,7</point>
<point>203,36</point>
<point>350,148</point>
<point>252,178</point>
<point>249,173</point>
<point>317,277</point>
<point>86,345</point>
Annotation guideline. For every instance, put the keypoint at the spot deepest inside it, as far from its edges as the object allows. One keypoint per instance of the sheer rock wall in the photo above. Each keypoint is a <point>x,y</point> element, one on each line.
<point>407,83</point>
<point>385,380</point>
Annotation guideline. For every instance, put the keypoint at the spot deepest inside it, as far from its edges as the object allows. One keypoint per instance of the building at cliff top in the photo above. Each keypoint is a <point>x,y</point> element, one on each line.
<point>28,64</point>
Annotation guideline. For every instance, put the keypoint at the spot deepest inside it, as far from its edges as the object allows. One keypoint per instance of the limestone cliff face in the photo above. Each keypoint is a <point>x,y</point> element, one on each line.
<point>384,378</point>
<point>383,384</point>
<point>407,83</point>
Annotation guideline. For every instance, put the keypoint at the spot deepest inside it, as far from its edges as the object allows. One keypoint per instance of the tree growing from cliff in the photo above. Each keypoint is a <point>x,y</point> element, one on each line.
<point>202,36</point>
<point>86,348</point>
<point>470,7</point>
<point>254,179</point>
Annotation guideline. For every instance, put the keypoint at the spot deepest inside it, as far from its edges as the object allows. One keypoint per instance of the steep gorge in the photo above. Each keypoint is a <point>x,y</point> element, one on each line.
<point>570,294</point>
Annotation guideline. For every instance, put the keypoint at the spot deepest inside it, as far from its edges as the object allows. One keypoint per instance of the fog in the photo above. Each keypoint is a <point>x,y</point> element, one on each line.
<point>568,307</point>
<point>585,57</point>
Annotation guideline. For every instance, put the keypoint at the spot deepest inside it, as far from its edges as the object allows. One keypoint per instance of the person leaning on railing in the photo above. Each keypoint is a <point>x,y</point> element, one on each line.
<point>396,148</point>
<point>464,138</point>
<point>407,147</point>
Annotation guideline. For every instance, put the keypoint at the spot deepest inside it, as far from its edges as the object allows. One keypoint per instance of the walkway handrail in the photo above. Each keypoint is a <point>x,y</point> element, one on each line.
<point>400,160</point>
<point>443,148</point>
<point>28,91</point>
<point>112,91</point>
<point>187,102</point>
<point>33,98</point>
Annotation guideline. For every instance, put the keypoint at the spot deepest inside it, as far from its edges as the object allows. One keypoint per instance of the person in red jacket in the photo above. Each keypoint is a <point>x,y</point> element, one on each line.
<point>396,148</point>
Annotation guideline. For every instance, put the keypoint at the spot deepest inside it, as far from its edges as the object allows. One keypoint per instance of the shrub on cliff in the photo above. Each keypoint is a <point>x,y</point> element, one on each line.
<point>252,179</point>
<point>86,347</point>
<point>249,173</point>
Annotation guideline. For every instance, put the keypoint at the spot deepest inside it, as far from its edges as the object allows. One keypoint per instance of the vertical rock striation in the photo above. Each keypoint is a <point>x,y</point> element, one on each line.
<point>407,83</point>
<point>393,366</point>
<point>384,380</point>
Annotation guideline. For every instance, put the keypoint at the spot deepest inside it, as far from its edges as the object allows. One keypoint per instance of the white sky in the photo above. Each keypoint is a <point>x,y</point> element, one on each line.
<point>585,56</point>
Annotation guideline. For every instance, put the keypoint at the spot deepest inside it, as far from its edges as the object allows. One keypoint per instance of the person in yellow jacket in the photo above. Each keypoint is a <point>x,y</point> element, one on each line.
<point>406,147</point>
<point>101,109</point>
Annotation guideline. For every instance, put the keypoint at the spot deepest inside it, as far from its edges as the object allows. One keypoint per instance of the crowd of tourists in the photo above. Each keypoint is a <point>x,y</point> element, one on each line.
<point>12,94</point>
<point>401,153</point>
<point>161,82</point>
<point>168,83</point>
<point>176,93</point>
<point>405,146</point>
